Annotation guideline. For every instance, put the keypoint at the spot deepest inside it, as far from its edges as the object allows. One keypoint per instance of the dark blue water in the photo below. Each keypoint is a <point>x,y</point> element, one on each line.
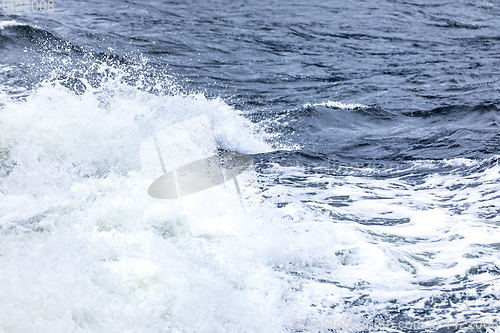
<point>408,89</point>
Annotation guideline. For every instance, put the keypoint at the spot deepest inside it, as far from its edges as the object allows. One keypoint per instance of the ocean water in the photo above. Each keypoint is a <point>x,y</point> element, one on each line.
<point>374,204</point>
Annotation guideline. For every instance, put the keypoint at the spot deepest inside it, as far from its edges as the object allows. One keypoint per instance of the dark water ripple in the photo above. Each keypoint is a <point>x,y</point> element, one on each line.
<point>405,56</point>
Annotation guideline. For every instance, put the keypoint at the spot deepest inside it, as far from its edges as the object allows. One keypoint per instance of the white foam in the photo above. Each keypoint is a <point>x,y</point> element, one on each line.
<point>84,248</point>
<point>83,245</point>
<point>428,241</point>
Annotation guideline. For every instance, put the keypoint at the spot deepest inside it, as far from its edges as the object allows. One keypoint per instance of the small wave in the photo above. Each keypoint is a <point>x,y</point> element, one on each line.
<point>338,105</point>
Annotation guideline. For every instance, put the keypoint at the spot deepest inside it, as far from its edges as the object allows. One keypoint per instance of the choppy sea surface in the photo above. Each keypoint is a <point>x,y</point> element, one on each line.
<point>374,204</point>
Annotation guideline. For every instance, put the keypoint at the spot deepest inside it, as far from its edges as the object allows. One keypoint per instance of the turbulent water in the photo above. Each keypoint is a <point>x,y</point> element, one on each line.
<point>374,204</point>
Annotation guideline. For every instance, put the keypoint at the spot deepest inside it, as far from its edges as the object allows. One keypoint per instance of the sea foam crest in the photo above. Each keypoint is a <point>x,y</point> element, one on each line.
<point>338,105</point>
